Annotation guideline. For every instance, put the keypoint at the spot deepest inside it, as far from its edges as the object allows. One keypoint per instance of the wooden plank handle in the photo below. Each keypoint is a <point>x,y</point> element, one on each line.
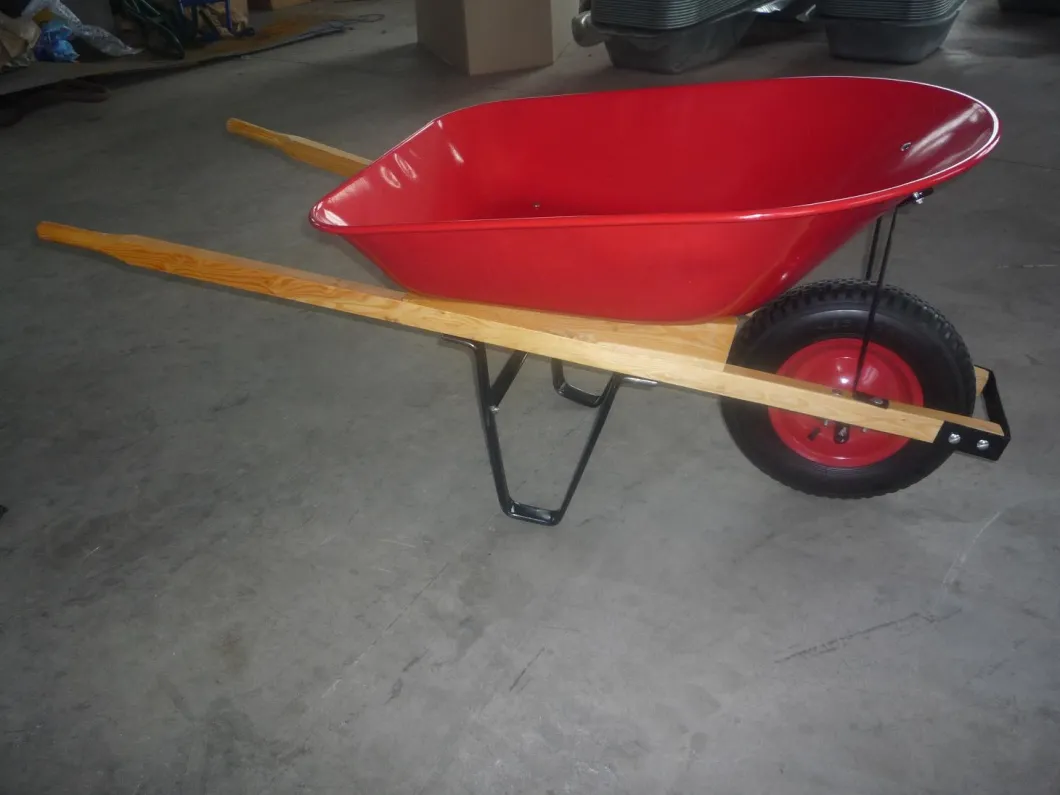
<point>705,344</point>
<point>315,154</point>
<point>688,356</point>
<point>227,270</point>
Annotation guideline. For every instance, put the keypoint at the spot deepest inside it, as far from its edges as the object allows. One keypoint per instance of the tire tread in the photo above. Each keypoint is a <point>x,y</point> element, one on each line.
<point>819,297</point>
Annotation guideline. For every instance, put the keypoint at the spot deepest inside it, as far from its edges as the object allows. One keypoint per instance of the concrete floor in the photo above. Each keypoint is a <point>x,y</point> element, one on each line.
<point>254,548</point>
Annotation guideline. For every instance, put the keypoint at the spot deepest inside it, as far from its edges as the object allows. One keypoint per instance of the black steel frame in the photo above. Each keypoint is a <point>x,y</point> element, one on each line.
<point>958,437</point>
<point>491,392</point>
<point>974,442</point>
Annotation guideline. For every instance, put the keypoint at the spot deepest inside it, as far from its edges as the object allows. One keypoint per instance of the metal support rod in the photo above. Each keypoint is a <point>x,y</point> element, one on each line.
<point>491,393</point>
<point>871,320</point>
<point>870,254</point>
<point>505,377</point>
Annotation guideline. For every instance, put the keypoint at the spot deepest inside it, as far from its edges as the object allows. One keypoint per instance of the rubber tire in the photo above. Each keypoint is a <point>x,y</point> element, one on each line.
<point>825,310</point>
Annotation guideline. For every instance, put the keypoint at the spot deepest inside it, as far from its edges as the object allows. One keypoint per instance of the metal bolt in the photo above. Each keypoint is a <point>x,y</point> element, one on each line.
<point>877,401</point>
<point>982,444</point>
<point>826,423</point>
<point>918,198</point>
<point>907,146</point>
<point>955,438</point>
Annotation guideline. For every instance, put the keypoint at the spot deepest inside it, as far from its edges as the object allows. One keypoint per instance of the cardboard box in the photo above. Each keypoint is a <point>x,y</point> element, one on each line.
<point>486,36</point>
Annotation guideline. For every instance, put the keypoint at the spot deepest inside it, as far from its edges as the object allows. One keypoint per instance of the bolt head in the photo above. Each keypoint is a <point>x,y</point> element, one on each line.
<point>955,438</point>
<point>982,444</point>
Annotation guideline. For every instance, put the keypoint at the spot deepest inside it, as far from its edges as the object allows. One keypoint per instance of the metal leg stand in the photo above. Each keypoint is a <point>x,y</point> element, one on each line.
<point>566,390</point>
<point>491,393</point>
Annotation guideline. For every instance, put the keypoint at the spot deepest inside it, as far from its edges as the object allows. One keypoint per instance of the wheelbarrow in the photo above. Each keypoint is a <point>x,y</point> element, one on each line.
<point>669,250</point>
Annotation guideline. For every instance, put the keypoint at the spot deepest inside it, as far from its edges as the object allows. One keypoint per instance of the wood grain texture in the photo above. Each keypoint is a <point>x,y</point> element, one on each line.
<point>981,375</point>
<point>315,154</point>
<point>689,356</point>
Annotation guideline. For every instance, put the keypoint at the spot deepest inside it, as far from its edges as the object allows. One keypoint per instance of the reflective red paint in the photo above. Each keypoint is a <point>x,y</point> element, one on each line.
<point>833,363</point>
<point>667,204</point>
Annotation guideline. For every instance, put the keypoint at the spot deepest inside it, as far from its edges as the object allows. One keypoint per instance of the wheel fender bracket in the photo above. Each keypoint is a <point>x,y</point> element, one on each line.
<point>975,442</point>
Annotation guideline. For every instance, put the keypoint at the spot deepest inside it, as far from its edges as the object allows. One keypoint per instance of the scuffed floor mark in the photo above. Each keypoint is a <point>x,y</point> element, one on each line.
<point>1029,266</point>
<point>395,690</point>
<point>166,685</point>
<point>413,661</point>
<point>526,668</point>
<point>957,567</point>
<point>837,643</point>
<point>949,581</point>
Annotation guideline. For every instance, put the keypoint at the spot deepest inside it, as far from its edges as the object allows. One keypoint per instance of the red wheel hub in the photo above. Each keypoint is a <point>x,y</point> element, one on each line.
<point>833,363</point>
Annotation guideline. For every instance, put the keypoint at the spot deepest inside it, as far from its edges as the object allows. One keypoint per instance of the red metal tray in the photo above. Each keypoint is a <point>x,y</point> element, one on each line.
<point>667,204</point>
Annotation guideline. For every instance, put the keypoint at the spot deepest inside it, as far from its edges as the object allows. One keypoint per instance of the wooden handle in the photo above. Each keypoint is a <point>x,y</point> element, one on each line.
<point>315,154</point>
<point>242,274</point>
<point>705,343</point>
<point>690,356</point>
<point>255,133</point>
<point>981,376</point>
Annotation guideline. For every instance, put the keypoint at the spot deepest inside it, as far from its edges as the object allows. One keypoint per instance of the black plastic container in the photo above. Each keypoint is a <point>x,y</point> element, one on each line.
<point>889,10</point>
<point>888,41</point>
<point>663,15</point>
<point>673,52</point>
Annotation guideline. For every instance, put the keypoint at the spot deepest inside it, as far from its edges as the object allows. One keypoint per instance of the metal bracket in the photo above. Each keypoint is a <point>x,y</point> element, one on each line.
<point>972,441</point>
<point>841,434</point>
<point>879,402</point>
<point>873,248</point>
<point>918,197</point>
<point>491,393</point>
<point>572,393</point>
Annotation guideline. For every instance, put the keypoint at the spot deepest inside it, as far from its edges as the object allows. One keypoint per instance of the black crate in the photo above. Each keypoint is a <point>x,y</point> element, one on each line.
<point>887,42</point>
<point>889,10</point>
<point>677,51</point>
<point>664,15</point>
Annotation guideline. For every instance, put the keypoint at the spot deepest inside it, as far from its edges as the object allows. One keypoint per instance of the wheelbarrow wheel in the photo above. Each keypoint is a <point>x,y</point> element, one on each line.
<point>813,333</point>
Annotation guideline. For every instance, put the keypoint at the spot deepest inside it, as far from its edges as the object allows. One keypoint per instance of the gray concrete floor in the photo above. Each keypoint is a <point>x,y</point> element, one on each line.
<point>254,548</point>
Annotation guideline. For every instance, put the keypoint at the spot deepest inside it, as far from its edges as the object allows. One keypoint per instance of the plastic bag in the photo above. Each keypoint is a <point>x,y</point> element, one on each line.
<point>100,39</point>
<point>54,43</point>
